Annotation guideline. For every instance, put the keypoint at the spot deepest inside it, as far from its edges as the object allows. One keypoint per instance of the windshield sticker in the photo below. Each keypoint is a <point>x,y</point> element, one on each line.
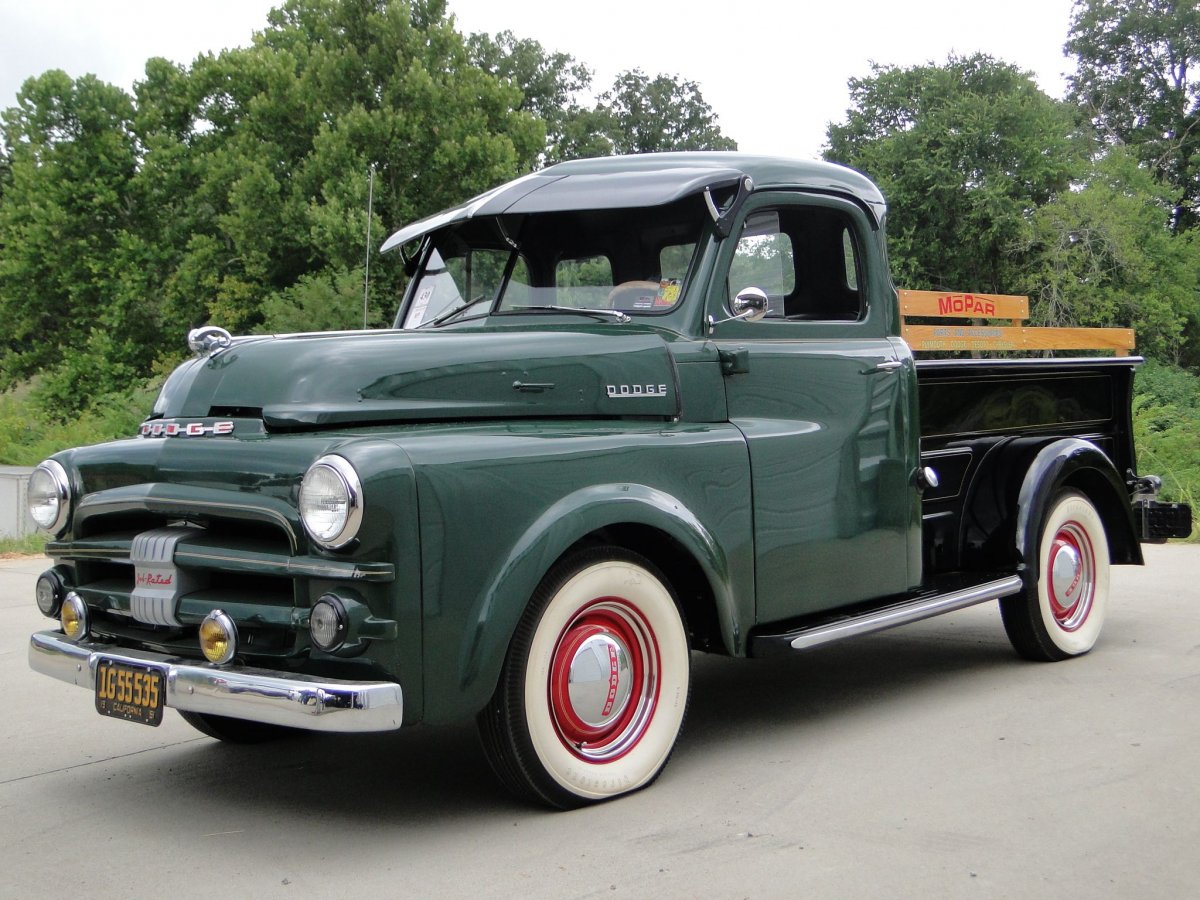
<point>417,314</point>
<point>644,302</point>
<point>668,293</point>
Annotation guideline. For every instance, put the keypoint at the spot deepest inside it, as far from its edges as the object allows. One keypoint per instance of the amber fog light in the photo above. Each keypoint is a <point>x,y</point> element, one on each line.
<point>49,594</point>
<point>74,617</point>
<point>327,623</point>
<point>218,637</point>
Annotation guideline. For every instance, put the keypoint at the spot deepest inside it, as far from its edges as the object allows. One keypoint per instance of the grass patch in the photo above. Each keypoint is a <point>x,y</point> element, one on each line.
<point>29,545</point>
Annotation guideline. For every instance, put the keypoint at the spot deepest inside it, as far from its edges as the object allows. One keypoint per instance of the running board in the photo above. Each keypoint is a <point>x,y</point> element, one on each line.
<point>880,619</point>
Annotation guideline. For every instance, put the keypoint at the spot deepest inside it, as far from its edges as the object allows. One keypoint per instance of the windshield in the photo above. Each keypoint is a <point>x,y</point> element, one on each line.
<point>633,261</point>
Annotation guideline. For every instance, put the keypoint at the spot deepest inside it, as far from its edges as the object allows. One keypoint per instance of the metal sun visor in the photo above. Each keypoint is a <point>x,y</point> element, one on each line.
<point>539,193</point>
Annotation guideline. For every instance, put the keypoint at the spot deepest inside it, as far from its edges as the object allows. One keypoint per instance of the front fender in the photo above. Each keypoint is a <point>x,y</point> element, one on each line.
<point>558,528</point>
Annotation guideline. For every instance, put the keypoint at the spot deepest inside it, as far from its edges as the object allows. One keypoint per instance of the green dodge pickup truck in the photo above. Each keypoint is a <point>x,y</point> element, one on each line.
<point>631,409</point>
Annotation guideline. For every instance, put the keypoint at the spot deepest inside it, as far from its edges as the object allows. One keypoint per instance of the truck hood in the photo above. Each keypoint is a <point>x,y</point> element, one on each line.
<point>305,381</point>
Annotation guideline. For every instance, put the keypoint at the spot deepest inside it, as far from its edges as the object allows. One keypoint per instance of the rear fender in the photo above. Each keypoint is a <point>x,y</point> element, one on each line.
<point>1079,464</point>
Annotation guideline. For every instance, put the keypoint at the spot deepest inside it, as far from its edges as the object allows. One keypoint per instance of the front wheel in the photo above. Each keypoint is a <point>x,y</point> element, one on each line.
<point>1063,615</point>
<point>596,684</point>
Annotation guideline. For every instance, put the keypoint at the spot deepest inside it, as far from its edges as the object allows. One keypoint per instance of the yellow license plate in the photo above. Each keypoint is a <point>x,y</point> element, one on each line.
<point>130,692</point>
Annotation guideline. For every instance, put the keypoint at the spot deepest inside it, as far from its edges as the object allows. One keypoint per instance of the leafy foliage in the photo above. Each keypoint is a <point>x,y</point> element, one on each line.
<point>1166,420</point>
<point>551,83</point>
<point>1136,80</point>
<point>964,152</point>
<point>649,115</point>
<point>638,114</point>
<point>1101,255</point>
<point>66,224</point>
<point>27,435</point>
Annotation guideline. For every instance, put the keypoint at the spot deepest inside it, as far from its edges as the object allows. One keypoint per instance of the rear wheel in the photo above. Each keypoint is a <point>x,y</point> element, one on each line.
<point>1062,617</point>
<point>237,731</point>
<point>595,687</point>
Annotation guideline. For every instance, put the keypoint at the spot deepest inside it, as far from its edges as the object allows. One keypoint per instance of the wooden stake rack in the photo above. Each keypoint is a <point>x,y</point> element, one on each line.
<point>978,337</point>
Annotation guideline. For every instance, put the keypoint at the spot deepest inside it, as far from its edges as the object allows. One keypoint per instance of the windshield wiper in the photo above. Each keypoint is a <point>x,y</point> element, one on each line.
<point>614,314</point>
<point>447,316</point>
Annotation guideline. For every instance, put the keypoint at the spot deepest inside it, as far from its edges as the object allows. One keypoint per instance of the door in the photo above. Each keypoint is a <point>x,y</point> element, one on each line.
<point>825,398</point>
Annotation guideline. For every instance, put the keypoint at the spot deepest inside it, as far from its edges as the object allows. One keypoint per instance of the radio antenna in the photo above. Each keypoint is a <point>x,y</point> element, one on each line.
<point>367,267</point>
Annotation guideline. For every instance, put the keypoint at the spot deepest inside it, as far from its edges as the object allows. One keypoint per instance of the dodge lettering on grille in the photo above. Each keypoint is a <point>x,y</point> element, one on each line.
<point>184,429</point>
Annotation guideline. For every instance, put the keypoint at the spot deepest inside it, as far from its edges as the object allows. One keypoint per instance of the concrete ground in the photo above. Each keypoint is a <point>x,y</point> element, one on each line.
<point>924,762</point>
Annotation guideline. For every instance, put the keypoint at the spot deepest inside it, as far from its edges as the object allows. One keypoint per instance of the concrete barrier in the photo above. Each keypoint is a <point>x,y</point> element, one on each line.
<point>14,512</point>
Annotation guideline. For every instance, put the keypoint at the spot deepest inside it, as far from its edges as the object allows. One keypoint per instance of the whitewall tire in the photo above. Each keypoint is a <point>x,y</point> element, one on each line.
<point>596,684</point>
<point>1064,616</point>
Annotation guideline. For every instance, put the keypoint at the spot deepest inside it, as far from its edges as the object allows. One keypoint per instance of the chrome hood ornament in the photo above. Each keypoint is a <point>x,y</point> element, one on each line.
<point>209,340</point>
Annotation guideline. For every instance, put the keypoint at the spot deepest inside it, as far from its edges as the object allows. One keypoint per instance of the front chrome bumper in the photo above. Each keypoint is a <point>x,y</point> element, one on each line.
<point>260,695</point>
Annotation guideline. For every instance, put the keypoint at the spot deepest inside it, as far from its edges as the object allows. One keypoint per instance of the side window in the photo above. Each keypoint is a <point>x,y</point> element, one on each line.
<point>805,258</point>
<point>850,258</point>
<point>764,259</point>
<point>584,282</point>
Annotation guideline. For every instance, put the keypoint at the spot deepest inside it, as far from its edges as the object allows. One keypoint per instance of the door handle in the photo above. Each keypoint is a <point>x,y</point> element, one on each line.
<point>886,366</point>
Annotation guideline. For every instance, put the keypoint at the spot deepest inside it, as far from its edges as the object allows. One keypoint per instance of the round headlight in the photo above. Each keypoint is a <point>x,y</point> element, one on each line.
<point>49,594</point>
<point>327,623</point>
<point>49,496</point>
<point>74,617</point>
<point>331,502</point>
<point>218,637</point>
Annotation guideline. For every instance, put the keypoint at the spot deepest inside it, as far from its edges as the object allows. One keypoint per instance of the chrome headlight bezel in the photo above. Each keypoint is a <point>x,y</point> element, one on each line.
<point>344,526</point>
<point>59,494</point>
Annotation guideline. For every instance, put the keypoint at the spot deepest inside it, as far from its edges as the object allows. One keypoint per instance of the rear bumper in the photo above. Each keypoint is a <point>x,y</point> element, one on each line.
<point>1159,521</point>
<point>260,695</point>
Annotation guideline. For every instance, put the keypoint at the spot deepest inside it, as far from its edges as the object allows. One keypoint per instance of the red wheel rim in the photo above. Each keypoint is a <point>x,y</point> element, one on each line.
<point>604,680</point>
<point>1071,576</point>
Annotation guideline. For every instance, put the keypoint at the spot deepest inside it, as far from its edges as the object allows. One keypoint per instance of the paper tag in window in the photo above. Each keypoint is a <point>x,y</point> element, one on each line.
<point>417,314</point>
<point>668,293</point>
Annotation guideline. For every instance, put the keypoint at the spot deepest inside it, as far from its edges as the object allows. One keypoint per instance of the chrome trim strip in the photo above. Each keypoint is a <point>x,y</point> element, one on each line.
<point>140,497</point>
<point>914,611</point>
<point>288,566</point>
<point>201,556</point>
<point>260,695</point>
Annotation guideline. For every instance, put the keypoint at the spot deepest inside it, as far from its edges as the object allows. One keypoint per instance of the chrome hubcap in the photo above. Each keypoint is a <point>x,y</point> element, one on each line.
<point>603,685</point>
<point>1072,576</point>
<point>599,681</point>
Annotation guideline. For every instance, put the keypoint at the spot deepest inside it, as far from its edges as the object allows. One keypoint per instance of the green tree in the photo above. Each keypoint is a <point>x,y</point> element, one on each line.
<point>637,114</point>
<point>649,115</point>
<point>1103,255</point>
<point>68,245</point>
<point>1136,80</point>
<point>273,144</point>
<point>965,152</point>
<point>550,82</point>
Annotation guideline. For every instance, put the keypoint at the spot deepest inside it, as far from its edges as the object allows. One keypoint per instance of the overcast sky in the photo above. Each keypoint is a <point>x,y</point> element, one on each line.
<point>774,72</point>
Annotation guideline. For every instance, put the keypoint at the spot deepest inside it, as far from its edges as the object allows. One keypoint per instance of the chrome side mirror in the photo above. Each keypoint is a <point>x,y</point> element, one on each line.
<point>750,305</point>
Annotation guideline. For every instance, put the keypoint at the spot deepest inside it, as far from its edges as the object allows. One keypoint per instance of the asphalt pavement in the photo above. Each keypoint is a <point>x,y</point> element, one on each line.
<point>928,762</point>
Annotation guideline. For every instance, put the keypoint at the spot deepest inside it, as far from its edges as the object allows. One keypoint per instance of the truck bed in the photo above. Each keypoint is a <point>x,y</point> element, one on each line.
<point>988,416</point>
